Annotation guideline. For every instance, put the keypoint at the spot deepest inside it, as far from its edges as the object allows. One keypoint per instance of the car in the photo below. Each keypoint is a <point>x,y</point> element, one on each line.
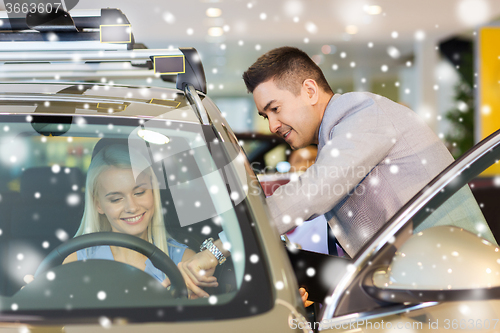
<point>417,273</point>
<point>50,132</point>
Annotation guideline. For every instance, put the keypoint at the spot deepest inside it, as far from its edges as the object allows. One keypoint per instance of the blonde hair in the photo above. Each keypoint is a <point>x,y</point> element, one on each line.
<point>119,156</point>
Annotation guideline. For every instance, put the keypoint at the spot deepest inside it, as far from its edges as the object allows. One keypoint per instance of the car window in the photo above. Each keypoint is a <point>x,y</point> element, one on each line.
<point>264,152</point>
<point>43,166</point>
<point>460,210</point>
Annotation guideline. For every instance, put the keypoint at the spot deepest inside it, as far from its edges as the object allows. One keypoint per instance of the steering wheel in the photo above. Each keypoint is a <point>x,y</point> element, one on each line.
<point>158,258</point>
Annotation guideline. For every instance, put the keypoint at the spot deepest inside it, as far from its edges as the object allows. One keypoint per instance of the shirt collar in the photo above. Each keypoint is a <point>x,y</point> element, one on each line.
<point>334,97</point>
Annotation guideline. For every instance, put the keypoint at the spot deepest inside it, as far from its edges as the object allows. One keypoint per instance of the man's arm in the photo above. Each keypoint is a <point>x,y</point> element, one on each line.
<point>356,135</point>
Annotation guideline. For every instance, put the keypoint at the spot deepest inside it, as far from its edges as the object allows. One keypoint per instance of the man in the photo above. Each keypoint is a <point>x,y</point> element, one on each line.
<point>373,154</point>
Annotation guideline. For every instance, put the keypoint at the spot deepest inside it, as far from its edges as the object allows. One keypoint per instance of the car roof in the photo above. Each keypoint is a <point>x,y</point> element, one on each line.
<point>95,99</point>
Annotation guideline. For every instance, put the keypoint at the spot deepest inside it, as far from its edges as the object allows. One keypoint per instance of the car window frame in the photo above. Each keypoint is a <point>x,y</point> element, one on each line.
<point>244,303</point>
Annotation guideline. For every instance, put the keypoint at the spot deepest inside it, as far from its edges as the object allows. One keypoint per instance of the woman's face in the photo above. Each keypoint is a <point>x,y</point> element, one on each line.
<point>127,203</point>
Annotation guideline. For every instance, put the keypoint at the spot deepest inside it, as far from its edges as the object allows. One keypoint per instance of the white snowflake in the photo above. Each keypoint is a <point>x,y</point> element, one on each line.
<point>234,195</point>
<point>62,235</point>
<point>311,27</point>
<point>105,322</point>
<point>419,35</point>
<point>73,199</point>
<point>315,238</point>
<point>50,276</point>
<point>393,52</point>
<point>101,295</point>
<point>279,285</point>
<point>206,230</point>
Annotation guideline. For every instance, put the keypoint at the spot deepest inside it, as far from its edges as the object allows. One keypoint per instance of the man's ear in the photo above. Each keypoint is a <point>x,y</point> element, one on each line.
<point>311,90</point>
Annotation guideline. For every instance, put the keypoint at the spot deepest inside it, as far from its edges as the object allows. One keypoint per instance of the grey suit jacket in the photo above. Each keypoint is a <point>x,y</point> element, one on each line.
<point>373,156</point>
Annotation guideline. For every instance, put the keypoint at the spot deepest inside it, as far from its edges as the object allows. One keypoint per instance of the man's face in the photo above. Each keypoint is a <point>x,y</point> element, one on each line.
<point>291,117</point>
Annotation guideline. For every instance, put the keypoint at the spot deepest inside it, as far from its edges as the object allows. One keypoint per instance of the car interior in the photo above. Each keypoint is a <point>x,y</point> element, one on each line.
<point>48,207</point>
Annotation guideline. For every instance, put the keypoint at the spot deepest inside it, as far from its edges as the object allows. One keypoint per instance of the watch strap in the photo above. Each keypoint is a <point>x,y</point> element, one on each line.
<point>210,246</point>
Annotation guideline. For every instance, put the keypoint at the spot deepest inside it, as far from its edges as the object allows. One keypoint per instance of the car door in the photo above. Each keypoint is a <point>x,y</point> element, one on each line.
<point>434,266</point>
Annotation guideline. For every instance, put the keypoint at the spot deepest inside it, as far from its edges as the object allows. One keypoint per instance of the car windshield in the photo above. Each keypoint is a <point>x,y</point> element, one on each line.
<point>44,161</point>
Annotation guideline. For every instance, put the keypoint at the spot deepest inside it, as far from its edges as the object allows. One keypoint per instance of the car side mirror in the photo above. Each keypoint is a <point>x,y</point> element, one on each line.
<point>442,263</point>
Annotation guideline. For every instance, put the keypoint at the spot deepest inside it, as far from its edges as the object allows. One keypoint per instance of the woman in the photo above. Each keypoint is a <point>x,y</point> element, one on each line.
<point>124,197</point>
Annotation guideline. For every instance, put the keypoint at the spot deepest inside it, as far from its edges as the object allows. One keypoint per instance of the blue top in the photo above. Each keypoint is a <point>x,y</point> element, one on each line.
<point>175,252</point>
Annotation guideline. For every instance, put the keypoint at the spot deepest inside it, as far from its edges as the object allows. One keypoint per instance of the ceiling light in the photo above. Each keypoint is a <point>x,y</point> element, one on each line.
<point>215,31</point>
<point>153,137</point>
<point>214,12</point>
<point>351,29</point>
<point>372,10</point>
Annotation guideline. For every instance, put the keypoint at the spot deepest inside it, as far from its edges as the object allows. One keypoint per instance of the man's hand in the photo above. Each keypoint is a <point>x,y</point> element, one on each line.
<point>304,295</point>
<point>198,272</point>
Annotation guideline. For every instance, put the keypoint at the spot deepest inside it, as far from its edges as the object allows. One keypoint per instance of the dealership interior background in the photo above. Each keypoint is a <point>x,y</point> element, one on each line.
<point>414,52</point>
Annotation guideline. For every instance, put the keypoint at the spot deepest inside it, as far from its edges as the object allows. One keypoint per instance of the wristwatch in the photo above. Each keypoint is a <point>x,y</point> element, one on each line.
<point>210,246</point>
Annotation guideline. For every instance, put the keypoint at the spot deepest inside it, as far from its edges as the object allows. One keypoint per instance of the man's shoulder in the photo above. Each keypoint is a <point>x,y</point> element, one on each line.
<point>362,95</point>
<point>351,102</point>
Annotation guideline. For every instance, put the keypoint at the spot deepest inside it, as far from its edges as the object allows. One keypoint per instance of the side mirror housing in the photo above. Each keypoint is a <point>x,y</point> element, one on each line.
<point>438,264</point>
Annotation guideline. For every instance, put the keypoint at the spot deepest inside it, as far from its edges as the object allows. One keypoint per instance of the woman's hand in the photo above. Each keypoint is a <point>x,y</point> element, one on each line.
<point>197,270</point>
<point>28,278</point>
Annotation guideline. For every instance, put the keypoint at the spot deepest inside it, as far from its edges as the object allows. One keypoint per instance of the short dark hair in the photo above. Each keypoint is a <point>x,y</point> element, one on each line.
<point>288,66</point>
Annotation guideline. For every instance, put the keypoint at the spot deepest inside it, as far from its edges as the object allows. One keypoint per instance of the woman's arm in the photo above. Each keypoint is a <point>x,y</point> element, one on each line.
<point>201,266</point>
<point>72,257</point>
